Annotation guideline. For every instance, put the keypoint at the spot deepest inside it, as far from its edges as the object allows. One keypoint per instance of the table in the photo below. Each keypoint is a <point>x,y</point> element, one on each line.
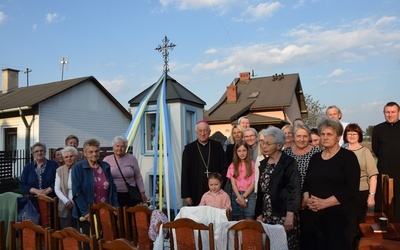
<point>392,233</point>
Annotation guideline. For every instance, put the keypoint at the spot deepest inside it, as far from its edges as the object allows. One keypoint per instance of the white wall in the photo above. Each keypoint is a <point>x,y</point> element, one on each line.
<point>177,114</point>
<point>16,122</point>
<point>84,111</point>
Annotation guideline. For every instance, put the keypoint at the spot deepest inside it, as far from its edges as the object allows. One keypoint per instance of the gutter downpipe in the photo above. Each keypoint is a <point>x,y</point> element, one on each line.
<point>27,135</point>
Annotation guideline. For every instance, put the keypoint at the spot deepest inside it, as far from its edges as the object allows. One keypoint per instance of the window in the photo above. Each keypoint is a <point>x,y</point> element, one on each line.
<point>150,130</point>
<point>189,126</point>
<point>10,139</point>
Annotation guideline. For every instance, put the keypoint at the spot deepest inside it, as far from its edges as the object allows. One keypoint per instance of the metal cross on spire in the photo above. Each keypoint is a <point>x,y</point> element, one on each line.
<point>164,50</point>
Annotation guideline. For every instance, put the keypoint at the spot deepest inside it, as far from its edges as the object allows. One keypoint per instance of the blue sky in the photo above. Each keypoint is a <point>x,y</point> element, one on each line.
<point>347,53</point>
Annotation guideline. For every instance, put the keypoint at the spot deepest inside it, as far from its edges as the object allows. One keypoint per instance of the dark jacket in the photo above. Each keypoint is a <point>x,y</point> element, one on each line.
<point>284,187</point>
<point>30,180</point>
<point>82,178</point>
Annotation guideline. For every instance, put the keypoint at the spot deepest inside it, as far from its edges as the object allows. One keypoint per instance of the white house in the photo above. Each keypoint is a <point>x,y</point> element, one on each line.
<point>185,110</point>
<point>50,112</point>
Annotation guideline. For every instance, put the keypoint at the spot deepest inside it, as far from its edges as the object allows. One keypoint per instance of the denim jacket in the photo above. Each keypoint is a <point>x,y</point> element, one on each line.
<point>82,178</point>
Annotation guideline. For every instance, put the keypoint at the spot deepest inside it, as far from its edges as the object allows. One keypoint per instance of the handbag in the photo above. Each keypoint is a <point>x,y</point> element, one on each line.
<point>133,191</point>
<point>28,209</point>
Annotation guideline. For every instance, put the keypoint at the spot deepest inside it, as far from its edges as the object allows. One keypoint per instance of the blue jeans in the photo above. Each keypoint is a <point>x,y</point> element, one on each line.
<point>244,211</point>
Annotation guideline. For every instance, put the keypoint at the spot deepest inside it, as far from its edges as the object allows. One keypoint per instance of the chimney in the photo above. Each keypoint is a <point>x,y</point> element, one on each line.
<point>245,76</point>
<point>9,80</point>
<point>231,94</point>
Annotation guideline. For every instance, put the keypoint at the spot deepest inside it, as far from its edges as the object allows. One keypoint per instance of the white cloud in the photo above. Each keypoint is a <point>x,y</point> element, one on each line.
<point>263,10</point>
<point>54,17</point>
<point>211,51</point>
<point>34,27</point>
<point>3,17</point>
<point>336,72</point>
<point>117,85</point>
<point>375,105</point>
<point>110,64</point>
<point>311,45</point>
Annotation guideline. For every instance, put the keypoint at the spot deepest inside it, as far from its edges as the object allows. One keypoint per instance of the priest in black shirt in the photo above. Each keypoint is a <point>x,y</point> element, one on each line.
<point>385,144</point>
<point>199,159</point>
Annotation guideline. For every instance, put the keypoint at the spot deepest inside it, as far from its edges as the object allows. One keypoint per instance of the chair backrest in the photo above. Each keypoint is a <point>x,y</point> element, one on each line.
<point>117,244</point>
<point>388,196</point>
<point>48,209</point>
<point>30,236</point>
<point>136,224</point>
<point>109,221</point>
<point>184,233</point>
<point>252,235</point>
<point>70,239</point>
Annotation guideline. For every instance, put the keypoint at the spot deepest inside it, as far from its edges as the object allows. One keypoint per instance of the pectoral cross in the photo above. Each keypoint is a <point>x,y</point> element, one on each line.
<point>207,172</point>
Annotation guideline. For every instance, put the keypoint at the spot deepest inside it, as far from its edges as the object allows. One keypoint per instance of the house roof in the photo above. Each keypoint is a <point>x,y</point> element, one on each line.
<point>175,93</point>
<point>257,95</point>
<point>33,95</point>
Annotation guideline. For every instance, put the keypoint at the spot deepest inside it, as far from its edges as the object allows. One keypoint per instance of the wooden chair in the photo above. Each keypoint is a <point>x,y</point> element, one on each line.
<point>252,235</point>
<point>117,244</point>
<point>2,235</point>
<point>387,208</point>
<point>136,224</point>
<point>109,221</point>
<point>48,209</point>
<point>30,236</point>
<point>184,234</point>
<point>70,239</point>
<point>367,243</point>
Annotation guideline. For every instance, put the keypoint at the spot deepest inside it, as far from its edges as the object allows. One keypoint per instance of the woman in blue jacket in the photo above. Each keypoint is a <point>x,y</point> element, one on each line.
<point>92,183</point>
<point>38,177</point>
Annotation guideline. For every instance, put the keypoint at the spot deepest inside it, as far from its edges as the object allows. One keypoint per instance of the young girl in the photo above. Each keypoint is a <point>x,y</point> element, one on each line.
<point>241,174</point>
<point>216,197</point>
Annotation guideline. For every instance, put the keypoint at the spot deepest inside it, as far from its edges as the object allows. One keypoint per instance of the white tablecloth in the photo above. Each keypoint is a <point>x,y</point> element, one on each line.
<point>276,234</point>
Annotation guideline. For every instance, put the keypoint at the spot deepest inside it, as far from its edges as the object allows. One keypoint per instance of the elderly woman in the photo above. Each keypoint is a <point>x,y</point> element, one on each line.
<point>126,164</point>
<point>353,137</point>
<point>63,187</point>
<point>287,129</point>
<point>236,135</point>
<point>38,176</point>
<point>278,194</point>
<point>92,183</point>
<point>73,141</point>
<point>330,191</point>
<point>301,150</point>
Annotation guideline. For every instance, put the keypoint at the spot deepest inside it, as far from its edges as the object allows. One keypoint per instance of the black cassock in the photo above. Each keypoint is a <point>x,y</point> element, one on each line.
<point>194,182</point>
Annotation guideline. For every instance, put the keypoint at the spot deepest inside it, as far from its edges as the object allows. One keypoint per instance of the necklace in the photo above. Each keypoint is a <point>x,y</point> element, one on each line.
<point>202,158</point>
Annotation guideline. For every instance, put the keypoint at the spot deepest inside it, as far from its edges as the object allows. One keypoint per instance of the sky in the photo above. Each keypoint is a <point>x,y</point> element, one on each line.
<point>347,53</point>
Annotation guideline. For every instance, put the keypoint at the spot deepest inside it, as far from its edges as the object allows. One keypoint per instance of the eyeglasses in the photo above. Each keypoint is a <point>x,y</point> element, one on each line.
<point>38,151</point>
<point>69,156</point>
<point>248,136</point>
<point>263,143</point>
<point>352,134</point>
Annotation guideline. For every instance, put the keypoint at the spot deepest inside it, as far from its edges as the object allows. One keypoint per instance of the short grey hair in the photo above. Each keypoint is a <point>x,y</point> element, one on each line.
<point>332,123</point>
<point>73,150</point>
<point>334,107</point>
<point>243,117</point>
<point>208,125</point>
<point>39,144</point>
<point>91,142</point>
<point>119,138</point>
<point>251,129</point>
<point>277,134</point>
<point>301,126</point>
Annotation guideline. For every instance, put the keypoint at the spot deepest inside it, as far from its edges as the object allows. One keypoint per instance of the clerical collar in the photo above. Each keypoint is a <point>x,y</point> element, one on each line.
<point>202,143</point>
